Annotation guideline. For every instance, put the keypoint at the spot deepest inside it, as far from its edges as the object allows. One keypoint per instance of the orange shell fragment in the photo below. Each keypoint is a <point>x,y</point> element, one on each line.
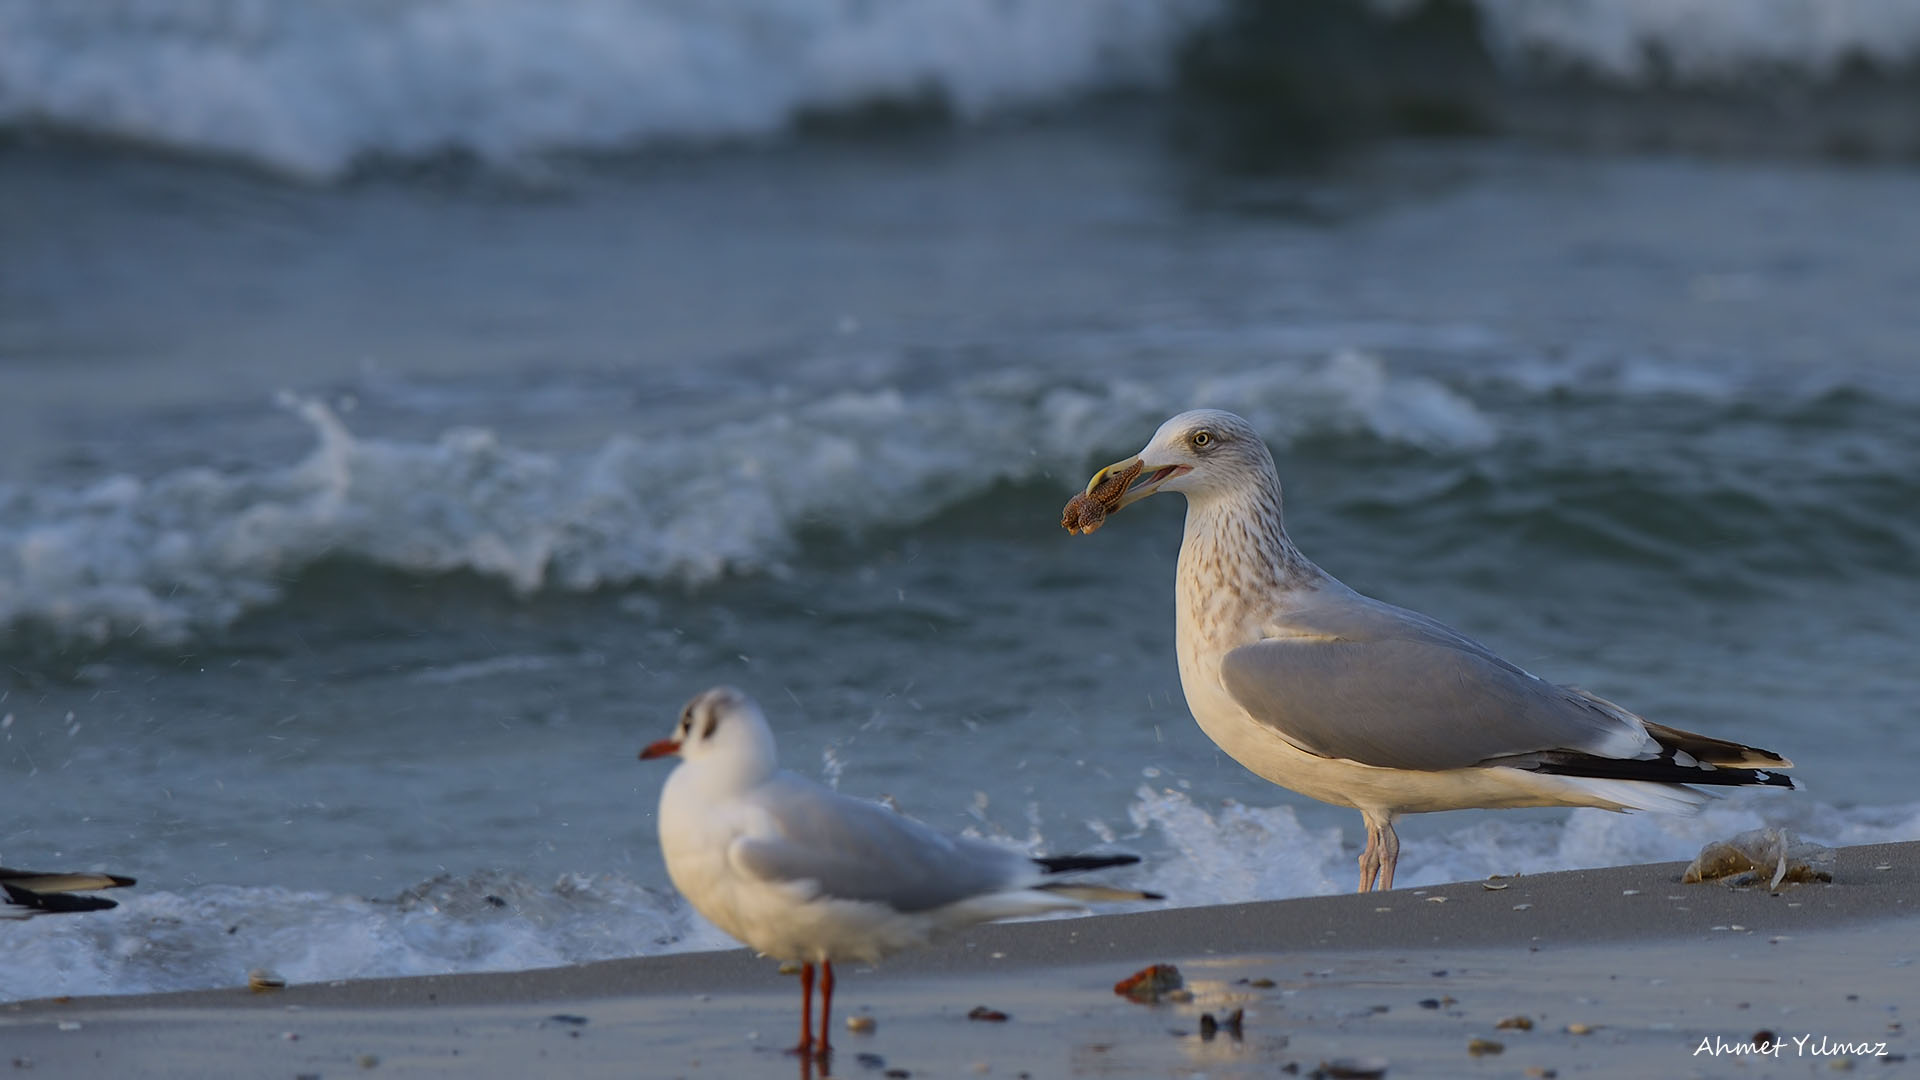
<point>1150,983</point>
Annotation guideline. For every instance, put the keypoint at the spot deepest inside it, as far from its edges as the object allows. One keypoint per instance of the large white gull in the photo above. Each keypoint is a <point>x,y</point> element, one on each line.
<point>1359,703</point>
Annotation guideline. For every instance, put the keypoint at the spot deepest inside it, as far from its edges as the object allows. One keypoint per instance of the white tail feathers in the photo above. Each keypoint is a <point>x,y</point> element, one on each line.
<point>1635,794</point>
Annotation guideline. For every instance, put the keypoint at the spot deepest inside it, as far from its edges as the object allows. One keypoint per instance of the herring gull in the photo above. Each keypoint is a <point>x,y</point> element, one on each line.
<point>807,875</point>
<point>1359,703</point>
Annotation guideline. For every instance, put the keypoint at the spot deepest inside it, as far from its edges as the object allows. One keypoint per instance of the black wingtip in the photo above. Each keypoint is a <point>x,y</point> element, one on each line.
<point>1661,771</point>
<point>60,902</point>
<point>1066,864</point>
<point>55,902</point>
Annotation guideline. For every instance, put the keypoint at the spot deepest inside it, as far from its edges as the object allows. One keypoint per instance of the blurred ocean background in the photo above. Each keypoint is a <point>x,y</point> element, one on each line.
<point>405,405</point>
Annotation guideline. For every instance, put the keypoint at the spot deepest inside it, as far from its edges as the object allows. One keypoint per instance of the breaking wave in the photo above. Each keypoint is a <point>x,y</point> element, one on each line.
<point>194,549</point>
<point>312,88</point>
<point>158,940</point>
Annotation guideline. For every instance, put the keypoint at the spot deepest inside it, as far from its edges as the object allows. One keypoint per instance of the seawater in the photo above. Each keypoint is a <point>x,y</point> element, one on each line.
<point>356,531</point>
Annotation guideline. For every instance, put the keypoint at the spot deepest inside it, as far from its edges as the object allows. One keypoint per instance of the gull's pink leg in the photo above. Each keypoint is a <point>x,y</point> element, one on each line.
<point>1369,860</point>
<point>1391,856</point>
<point>1382,853</point>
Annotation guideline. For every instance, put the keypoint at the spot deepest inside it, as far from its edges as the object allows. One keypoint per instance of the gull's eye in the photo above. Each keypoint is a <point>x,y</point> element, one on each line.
<point>1201,440</point>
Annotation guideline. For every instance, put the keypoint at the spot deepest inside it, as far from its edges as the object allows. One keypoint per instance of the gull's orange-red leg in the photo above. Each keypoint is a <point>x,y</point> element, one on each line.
<point>806,1009</point>
<point>826,1003</point>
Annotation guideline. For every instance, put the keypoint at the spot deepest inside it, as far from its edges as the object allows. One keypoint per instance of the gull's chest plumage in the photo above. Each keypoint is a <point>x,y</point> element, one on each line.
<point>1229,573</point>
<point>1252,744</point>
<point>694,839</point>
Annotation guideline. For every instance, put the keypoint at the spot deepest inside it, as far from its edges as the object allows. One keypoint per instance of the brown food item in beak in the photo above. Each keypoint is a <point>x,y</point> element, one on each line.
<point>1086,511</point>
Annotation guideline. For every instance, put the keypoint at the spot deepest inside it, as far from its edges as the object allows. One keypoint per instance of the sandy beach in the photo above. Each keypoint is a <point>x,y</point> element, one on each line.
<point>1614,972</point>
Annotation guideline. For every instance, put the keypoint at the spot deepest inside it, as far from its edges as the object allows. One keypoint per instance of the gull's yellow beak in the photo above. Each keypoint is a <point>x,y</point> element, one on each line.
<point>1146,484</point>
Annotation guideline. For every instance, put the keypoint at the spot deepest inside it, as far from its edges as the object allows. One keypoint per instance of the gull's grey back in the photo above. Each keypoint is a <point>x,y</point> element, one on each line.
<point>859,850</point>
<point>1373,683</point>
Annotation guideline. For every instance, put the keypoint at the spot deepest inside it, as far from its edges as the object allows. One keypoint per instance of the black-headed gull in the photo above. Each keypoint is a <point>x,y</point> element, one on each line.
<point>1359,703</point>
<point>806,875</point>
<point>26,893</point>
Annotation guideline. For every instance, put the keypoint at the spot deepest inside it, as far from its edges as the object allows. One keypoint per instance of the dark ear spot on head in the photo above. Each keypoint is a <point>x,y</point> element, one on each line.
<point>713,721</point>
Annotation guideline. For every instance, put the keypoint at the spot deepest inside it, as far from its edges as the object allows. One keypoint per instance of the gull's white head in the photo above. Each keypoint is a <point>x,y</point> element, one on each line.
<point>1201,453</point>
<point>722,725</point>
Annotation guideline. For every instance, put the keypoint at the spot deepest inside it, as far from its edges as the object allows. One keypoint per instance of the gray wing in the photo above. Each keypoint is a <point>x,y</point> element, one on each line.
<point>852,849</point>
<point>1377,684</point>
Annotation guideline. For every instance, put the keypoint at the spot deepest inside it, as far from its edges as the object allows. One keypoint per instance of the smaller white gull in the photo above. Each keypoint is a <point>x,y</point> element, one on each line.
<point>806,875</point>
<point>26,893</point>
<point>1359,703</point>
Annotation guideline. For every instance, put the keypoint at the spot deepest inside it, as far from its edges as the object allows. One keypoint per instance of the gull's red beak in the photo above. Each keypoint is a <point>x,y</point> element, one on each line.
<point>663,748</point>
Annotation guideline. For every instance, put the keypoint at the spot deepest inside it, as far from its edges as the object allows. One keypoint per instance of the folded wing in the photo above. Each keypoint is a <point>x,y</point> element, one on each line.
<point>1345,676</point>
<point>850,849</point>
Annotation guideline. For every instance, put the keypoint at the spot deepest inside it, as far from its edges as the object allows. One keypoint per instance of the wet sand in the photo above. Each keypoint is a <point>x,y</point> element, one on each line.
<point>1618,972</point>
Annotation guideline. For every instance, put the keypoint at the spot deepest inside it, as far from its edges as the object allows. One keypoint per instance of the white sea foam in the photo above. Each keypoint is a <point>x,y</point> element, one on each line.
<point>309,86</point>
<point>499,921</point>
<point>1636,41</point>
<point>158,940</point>
<point>195,549</point>
<point>1238,853</point>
